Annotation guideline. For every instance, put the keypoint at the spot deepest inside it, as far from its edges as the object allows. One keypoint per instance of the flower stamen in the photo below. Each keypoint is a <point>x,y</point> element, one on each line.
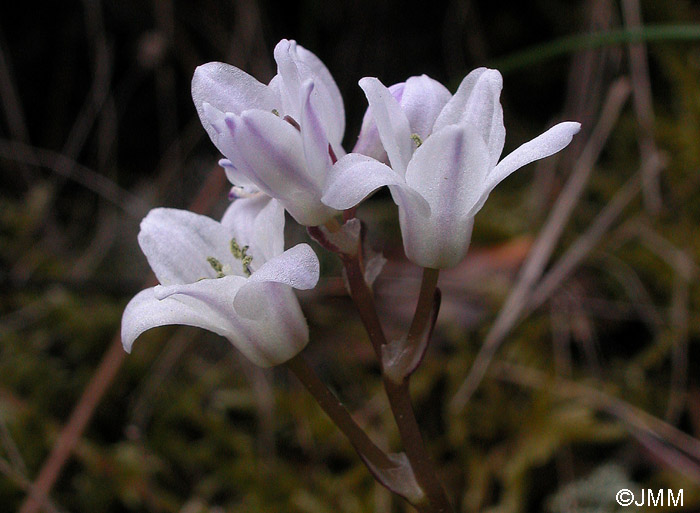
<point>217,266</point>
<point>239,253</point>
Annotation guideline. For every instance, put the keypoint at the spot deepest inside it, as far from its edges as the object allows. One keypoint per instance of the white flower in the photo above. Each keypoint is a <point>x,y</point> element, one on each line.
<point>232,278</point>
<point>439,181</point>
<point>421,99</point>
<point>276,138</point>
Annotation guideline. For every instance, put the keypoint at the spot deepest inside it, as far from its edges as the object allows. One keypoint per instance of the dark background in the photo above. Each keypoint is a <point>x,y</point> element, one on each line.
<point>97,126</point>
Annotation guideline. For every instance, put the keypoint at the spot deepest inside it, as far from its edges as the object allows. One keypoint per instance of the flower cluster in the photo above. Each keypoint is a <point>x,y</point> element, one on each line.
<point>439,154</point>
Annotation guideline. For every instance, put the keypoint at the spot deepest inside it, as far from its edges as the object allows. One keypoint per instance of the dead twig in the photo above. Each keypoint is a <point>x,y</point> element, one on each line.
<point>642,425</point>
<point>163,366</point>
<point>12,105</point>
<point>546,242</point>
<point>100,382</point>
<point>585,243</point>
<point>11,448</point>
<point>644,111</point>
<point>25,484</point>
<point>63,165</point>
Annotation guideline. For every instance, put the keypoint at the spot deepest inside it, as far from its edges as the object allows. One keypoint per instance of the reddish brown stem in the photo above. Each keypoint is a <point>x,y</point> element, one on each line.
<point>424,307</point>
<point>330,404</point>
<point>399,393</point>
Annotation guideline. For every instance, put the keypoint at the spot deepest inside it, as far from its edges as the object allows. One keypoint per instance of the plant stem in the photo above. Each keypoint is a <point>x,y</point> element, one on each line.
<point>399,393</point>
<point>365,447</point>
<point>423,467</point>
<point>424,307</point>
<point>364,301</point>
<point>400,400</point>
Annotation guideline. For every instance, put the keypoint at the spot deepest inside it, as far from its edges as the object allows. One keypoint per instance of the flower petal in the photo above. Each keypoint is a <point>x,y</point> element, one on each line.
<point>477,102</point>
<point>552,141</point>
<point>269,152</point>
<point>276,320</point>
<point>228,89</point>
<point>295,66</point>
<point>297,267</point>
<point>449,169</point>
<point>453,112</point>
<point>315,140</point>
<point>177,244</point>
<point>277,333</point>
<point>433,242</point>
<point>422,101</point>
<point>368,142</point>
<point>257,222</point>
<point>392,123</point>
<point>147,310</point>
<point>239,180</point>
<point>356,176</point>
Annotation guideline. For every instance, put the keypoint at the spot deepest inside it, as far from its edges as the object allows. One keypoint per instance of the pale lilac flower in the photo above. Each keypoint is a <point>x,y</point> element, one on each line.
<point>277,138</point>
<point>421,99</point>
<point>233,278</point>
<point>439,181</point>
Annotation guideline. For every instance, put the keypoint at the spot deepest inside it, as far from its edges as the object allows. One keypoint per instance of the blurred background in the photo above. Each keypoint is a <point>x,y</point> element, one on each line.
<point>565,362</point>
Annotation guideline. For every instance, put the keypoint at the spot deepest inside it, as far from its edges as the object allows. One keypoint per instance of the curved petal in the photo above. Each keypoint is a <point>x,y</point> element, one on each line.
<point>295,66</point>
<point>280,326</point>
<point>209,304</point>
<point>287,80</point>
<point>276,320</point>
<point>268,151</point>
<point>550,142</point>
<point>453,111</point>
<point>422,101</point>
<point>477,102</point>
<point>297,267</point>
<point>228,89</point>
<point>214,122</point>
<point>355,176</point>
<point>257,222</point>
<point>177,244</point>
<point>435,242</point>
<point>149,310</point>
<point>449,170</point>
<point>330,101</point>
<point>314,138</point>
<point>392,123</point>
<point>368,141</point>
<point>238,179</point>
